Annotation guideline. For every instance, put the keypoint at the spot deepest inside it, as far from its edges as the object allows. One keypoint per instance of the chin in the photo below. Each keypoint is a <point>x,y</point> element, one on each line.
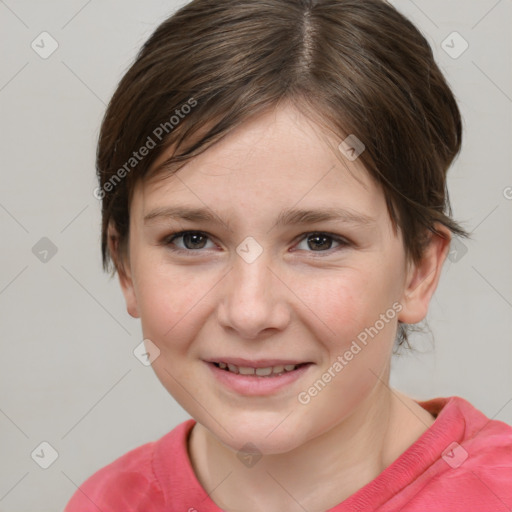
<point>268,437</point>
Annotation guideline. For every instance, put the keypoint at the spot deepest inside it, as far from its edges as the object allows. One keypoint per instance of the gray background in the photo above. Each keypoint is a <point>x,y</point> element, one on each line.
<point>68,375</point>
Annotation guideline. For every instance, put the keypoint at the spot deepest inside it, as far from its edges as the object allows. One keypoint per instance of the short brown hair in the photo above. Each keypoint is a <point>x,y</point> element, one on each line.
<point>357,66</point>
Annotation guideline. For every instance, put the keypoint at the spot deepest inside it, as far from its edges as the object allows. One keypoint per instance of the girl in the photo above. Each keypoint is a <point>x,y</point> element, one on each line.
<point>273,185</point>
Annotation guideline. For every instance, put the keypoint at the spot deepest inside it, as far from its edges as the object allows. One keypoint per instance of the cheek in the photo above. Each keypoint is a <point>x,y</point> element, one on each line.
<point>349,307</point>
<point>169,304</point>
<point>341,302</point>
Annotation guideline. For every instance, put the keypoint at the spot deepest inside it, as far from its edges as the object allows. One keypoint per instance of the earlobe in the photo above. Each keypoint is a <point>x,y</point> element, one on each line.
<point>122,265</point>
<point>423,278</point>
<point>130,297</point>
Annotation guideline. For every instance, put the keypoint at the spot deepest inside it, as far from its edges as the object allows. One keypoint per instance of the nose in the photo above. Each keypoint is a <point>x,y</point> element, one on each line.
<point>253,300</point>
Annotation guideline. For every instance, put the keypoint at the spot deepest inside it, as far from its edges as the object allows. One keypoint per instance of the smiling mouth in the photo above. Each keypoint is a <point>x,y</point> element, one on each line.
<point>269,371</point>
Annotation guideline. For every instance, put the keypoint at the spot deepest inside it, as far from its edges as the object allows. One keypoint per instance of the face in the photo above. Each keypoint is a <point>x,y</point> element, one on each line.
<point>266,254</point>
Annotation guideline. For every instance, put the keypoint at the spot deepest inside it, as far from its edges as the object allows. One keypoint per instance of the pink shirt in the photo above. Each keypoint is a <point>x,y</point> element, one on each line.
<point>462,463</point>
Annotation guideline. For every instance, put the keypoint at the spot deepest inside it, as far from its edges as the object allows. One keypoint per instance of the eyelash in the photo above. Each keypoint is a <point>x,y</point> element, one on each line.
<point>169,239</point>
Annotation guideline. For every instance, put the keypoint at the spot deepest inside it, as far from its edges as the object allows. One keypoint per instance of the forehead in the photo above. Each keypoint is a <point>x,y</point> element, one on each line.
<point>279,158</point>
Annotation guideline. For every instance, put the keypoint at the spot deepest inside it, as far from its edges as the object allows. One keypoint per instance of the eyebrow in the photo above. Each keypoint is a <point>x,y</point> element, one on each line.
<point>291,216</point>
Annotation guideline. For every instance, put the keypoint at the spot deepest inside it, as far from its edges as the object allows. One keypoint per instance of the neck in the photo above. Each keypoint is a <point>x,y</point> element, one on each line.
<point>320,473</point>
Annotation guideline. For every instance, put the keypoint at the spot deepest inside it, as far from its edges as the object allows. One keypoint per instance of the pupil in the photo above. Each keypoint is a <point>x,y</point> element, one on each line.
<point>325,242</point>
<point>193,239</point>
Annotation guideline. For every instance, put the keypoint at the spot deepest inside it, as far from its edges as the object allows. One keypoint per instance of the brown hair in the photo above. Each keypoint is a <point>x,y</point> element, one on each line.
<point>357,66</point>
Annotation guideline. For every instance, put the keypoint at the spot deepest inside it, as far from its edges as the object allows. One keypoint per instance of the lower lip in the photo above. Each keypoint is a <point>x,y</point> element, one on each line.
<point>257,386</point>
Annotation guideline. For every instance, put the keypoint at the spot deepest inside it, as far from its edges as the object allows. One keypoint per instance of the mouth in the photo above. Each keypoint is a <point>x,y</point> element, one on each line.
<point>258,371</point>
<point>258,378</point>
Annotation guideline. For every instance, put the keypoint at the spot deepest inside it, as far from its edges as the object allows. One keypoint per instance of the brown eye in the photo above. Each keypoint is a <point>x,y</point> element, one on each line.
<point>188,241</point>
<point>321,242</point>
<point>194,240</point>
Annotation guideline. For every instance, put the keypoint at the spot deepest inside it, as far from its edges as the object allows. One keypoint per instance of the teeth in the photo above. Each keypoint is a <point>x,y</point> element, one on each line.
<point>232,368</point>
<point>261,372</point>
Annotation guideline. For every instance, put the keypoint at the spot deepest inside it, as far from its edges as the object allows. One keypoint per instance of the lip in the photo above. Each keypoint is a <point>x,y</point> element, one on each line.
<point>252,385</point>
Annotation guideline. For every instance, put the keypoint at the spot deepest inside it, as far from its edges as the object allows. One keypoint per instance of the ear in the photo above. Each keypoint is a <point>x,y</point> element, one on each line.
<point>423,277</point>
<point>122,264</point>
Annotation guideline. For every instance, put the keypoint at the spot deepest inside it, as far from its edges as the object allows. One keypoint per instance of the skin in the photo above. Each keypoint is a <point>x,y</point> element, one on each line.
<point>296,300</point>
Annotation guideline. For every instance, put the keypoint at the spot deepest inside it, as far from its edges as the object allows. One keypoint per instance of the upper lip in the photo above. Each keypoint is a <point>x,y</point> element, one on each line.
<point>255,363</point>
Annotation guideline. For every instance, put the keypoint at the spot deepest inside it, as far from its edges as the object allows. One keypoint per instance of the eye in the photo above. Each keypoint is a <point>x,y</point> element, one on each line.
<point>194,241</point>
<point>321,242</point>
<point>188,241</point>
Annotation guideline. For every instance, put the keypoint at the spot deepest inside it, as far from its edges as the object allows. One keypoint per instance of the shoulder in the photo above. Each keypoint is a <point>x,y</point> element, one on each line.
<point>485,442</point>
<point>119,486</point>
<point>129,483</point>
<point>475,467</point>
<point>486,452</point>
